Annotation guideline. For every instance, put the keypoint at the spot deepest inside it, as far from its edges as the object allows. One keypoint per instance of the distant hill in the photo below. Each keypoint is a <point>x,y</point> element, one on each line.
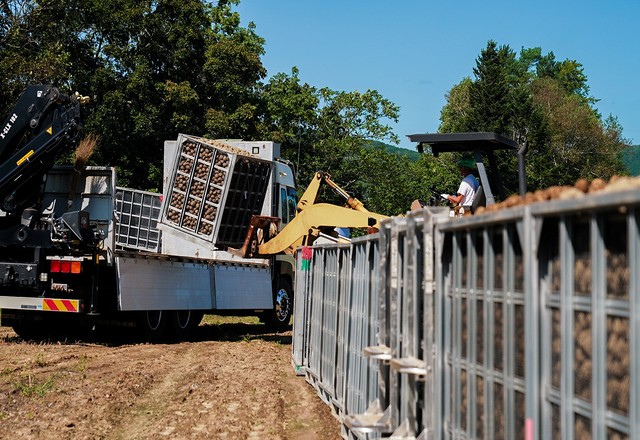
<point>411,154</point>
<point>631,159</point>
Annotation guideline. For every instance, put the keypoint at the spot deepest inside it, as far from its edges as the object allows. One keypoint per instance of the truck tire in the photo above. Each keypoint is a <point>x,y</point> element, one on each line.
<point>28,326</point>
<point>279,318</point>
<point>181,323</point>
<point>151,325</point>
<point>31,332</point>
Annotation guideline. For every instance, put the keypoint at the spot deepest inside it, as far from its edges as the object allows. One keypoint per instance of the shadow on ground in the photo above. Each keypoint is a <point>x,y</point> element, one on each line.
<point>117,336</point>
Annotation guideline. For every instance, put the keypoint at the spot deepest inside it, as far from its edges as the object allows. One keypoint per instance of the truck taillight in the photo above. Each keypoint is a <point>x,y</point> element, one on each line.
<point>65,266</point>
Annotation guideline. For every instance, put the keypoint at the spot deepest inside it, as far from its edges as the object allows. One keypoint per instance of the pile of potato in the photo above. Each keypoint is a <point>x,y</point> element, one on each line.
<point>189,223</point>
<point>210,212</point>
<point>480,407</point>
<point>202,171</point>
<point>581,427</point>
<point>581,188</point>
<point>205,229</point>
<point>214,194</point>
<point>201,174</point>
<point>464,399</point>
<point>556,349</point>
<point>583,355</point>
<point>499,418</point>
<point>618,364</point>
<point>189,147</point>
<point>222,160</point>
<point>218,177</point>
<point>615,435</point>
<point>173,216</point>
<point>498,336</point>
<point>206,154</point>
<point>617,273</point>
<point>193,206</point>
<point>185,165</point>
<point>181,182</point>
<point>197,189</point>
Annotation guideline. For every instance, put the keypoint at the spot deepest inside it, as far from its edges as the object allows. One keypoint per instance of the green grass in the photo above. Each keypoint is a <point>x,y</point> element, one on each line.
<point>218,320</point>
<point>29,387</point>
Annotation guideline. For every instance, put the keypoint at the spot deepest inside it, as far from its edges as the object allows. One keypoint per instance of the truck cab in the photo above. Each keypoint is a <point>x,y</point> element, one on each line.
<point>287,198</point>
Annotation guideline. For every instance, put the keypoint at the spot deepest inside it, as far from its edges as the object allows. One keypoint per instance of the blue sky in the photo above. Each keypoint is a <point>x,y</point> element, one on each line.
<point>413,52</point>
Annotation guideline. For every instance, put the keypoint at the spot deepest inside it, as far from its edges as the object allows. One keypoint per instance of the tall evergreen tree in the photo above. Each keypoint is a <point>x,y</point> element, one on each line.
<point>490,93</point>
<point>536,99</point>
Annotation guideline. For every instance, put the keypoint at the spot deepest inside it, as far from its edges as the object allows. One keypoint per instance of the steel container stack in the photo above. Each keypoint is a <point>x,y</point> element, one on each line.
<point>519,323</point>
<point>214,190</point>
<point>137,213</point>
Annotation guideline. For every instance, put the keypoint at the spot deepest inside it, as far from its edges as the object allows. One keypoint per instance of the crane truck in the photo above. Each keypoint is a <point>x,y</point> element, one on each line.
<point>78,252</point>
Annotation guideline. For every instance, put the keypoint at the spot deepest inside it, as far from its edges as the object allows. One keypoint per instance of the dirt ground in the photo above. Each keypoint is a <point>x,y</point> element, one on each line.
<point>229,381</point>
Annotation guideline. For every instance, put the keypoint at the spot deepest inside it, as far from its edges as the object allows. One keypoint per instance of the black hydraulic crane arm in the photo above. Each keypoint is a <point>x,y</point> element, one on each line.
<point>41,125</point>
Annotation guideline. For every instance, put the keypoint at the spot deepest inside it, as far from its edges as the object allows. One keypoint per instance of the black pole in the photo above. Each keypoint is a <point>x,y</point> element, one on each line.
<point>522,176</point>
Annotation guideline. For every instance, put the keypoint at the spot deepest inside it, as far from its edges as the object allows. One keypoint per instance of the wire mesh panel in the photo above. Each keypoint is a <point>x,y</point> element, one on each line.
<point>408,367</point>
<point>315,298</point>
<point>137,213</point>
<point>299,345</point>
<point>530,329</point>
<point>329,322</point>
<point>481,283</point>
<point>588,289</point>
<point>336,317</point>
<point>359,316</point>
<point>342,337</point>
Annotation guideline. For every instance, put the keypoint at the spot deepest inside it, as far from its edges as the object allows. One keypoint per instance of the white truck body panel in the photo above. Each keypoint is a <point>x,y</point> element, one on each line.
<point>180,244</point>
<point>154,284</point>
<point>148,284</point>
<point>242,287</point>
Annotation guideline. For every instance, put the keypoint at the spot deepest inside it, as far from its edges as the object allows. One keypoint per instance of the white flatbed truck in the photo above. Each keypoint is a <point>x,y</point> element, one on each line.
<point>81,252</point>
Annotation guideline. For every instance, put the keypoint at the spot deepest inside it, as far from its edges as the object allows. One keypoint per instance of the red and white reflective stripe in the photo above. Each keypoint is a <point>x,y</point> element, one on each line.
<point>61,305</point>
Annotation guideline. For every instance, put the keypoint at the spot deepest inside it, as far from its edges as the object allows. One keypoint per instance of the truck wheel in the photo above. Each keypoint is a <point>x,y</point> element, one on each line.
<point>27,326</point>
<point>181,323</point>
<point>280,317</point>
<point>151,325</point>
<point>31,332</point>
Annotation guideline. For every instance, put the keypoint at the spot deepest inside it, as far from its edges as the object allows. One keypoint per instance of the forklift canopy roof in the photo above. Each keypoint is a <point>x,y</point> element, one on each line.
<point>477,142</point>
<point>461,142</point>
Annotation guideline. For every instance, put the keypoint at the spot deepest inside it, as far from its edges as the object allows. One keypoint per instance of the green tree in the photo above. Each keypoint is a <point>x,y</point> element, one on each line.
<point>345,122</point>
<point>490,93</point>
<point>153,69</point>
<point>290,111</point>
<point>535,99</point>
<point>578,144</point>
<point>455,113</point>
<point>323,129</point>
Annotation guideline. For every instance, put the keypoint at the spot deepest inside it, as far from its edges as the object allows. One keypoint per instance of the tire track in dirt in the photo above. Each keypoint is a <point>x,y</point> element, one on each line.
<point>145,418</point>
<point>234,383</point>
